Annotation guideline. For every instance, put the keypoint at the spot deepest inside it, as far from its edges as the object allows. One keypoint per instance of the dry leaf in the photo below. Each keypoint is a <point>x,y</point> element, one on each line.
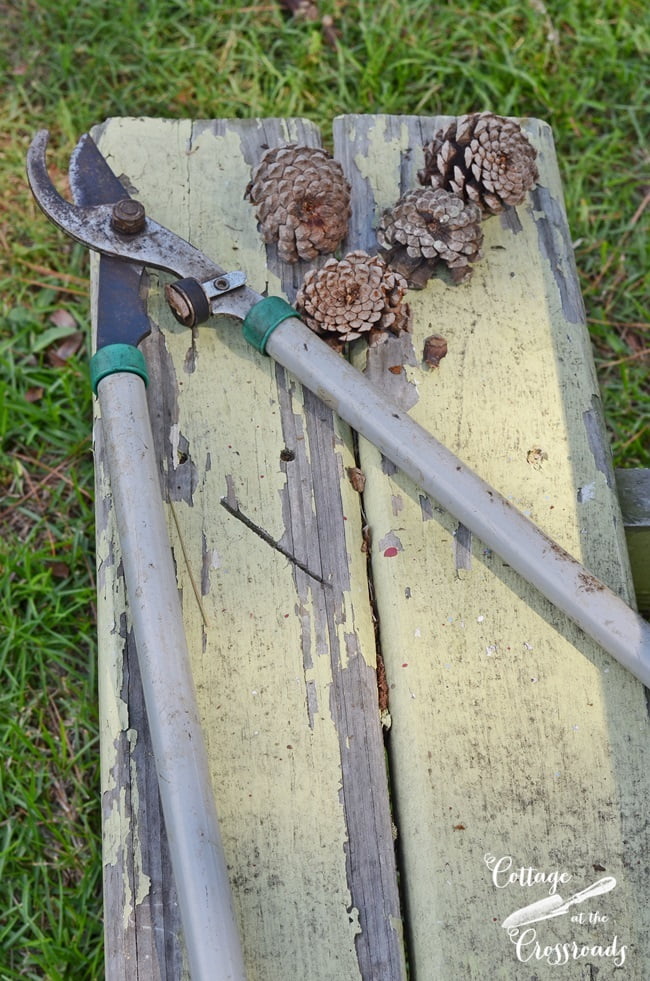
<point>59,569</point>
<point>69,346</point>
<point>62,318</point>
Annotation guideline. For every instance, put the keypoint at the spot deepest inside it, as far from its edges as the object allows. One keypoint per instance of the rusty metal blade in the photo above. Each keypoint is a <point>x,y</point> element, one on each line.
<point>121,304</point>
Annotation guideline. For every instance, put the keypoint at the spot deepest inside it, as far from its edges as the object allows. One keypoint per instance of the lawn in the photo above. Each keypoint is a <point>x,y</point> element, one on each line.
<point>67,65</point>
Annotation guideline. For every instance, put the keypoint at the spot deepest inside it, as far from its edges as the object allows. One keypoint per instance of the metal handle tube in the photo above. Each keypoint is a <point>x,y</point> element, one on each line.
<point>602,614</point>
<point>198,862</point>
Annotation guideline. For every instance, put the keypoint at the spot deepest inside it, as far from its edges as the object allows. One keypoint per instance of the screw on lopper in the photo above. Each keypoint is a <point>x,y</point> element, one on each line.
<point>128,217</point>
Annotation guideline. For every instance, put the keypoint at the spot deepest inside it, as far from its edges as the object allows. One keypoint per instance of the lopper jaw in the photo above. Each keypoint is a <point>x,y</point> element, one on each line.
<point>112,223</point>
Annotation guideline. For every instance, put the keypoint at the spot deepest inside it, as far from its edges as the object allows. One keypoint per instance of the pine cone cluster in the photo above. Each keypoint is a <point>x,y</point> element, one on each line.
<point>427,226</point>
<point>354,297</point>
<point>302,201</point>
<point>484,158</point>
<point>477,166</point>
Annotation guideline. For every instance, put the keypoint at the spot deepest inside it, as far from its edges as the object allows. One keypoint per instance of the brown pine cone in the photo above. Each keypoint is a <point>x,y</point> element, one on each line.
<point>484,158</point>
<point>427,226</point>
<point>302,201</point>
<point>354,297</point>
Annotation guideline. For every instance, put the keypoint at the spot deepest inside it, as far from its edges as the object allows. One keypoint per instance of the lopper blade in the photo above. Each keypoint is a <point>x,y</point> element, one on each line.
<point>156,246</point>
<point>153,245</point>
<point>91,179</point>
<point>121,302</point>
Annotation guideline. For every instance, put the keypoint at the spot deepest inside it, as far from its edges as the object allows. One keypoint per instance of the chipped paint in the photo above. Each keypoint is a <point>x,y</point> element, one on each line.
<point>597,439</point>
<point>211,561</point>
<point>555,246</point>
<point>401,388</point>
<point>380,160</point>
<point>390,544</point>
<point>141,879</point>
<point>463,548</point>
<point>113,827</point>
<point>111,627</point>
<point>586,493</point>
<point>174,442</point>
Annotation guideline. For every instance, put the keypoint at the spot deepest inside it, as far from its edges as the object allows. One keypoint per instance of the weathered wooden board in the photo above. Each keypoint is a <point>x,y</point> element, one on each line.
<point>633,488</point>
<point>266,533</point>
<point>513,739</point>
<point>515,743</point>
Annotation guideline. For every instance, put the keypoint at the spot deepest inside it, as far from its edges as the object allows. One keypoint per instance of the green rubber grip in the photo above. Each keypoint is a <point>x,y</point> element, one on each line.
<point>262,319</point>
<point>116,358</point>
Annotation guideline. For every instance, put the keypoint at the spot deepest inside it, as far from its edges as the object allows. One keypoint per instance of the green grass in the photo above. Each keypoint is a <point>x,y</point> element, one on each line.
<point>67,65</point>
<point>49,825</point>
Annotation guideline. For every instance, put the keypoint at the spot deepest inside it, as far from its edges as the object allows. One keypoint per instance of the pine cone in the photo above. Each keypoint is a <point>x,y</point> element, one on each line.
<point>427,226</point>
<point>356,296</point>
<point>302,201</point>
<point>485,158</point>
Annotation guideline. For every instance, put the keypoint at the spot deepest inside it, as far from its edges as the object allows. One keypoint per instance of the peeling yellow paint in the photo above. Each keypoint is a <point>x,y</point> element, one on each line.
<point>113,711</point>
<point>380,163</point>
<point>142,881</point>
<point>115,828</point>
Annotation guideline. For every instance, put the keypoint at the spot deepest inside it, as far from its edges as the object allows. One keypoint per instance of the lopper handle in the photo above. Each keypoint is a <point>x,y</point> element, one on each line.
<point>600,612</point>
<point>198,862</point>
